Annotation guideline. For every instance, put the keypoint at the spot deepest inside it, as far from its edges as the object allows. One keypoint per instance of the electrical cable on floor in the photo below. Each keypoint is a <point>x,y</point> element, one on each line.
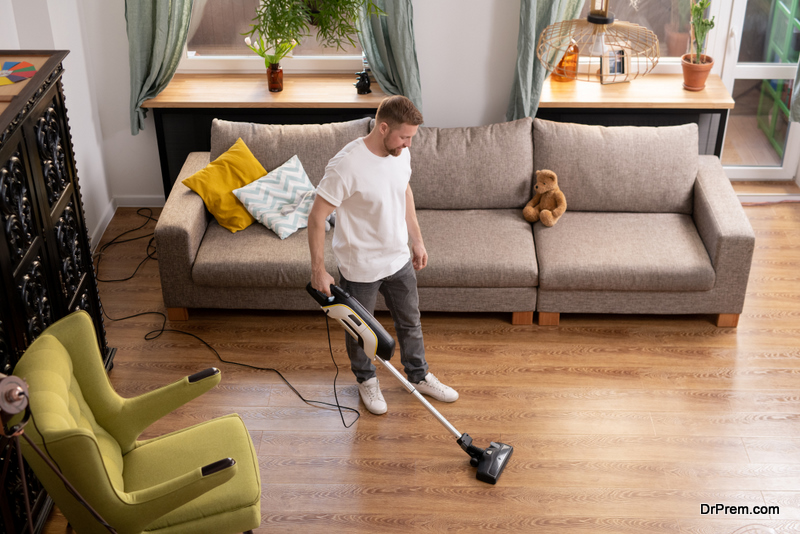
<point>157,333</point>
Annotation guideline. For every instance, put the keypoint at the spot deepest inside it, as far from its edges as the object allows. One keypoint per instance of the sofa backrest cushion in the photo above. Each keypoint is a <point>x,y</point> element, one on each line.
<point>274,144</point>
<point>470,168</point>
<point>620,168</point>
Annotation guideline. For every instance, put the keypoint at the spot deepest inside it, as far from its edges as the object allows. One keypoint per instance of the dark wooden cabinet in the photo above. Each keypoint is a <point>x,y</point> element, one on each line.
<point>45,253</point>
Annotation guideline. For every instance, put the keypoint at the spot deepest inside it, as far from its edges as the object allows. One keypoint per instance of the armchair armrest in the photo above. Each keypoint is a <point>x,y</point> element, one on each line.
<point>179,232</point>
<point>725,230</point>
<point>155,501</point>
<point>137,413</point>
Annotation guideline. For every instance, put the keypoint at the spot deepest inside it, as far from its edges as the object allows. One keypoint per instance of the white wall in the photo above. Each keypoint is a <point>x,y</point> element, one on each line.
<point>133,171</point>
<point>467,51</point>
<point>8,27</point>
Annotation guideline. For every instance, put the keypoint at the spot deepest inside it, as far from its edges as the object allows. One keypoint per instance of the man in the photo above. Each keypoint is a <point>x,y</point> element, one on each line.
<point>367,183</point>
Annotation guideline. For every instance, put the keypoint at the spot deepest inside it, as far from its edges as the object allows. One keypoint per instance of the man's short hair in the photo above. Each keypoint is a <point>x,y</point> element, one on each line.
<point>397,110</point>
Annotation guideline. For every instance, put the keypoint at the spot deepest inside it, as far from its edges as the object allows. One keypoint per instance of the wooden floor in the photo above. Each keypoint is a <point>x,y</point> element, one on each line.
<point>745,144</point>
<point>620,424</point>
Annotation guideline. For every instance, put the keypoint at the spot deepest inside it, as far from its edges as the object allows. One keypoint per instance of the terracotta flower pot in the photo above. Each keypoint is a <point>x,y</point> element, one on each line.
<point>695,74</point>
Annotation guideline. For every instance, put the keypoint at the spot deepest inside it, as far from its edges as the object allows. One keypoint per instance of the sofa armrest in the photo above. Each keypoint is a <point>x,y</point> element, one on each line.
<point>178,234</point>
<point>724,228</point>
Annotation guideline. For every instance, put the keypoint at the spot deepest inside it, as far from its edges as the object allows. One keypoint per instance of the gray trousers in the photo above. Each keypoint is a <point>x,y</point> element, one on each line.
<point>399,291</point>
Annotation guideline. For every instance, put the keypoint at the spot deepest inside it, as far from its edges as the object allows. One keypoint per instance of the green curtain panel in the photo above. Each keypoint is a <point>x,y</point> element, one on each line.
<point>388,42</point>
<point>157,31</point>
<point>534,17</point>
<point>795,111</point>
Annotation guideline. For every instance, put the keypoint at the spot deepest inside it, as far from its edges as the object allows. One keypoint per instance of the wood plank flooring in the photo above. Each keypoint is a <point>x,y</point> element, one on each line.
<point>620,424</point>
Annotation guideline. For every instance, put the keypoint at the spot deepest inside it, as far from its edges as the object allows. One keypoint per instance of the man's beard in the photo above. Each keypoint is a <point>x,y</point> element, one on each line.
<point>392,151</point>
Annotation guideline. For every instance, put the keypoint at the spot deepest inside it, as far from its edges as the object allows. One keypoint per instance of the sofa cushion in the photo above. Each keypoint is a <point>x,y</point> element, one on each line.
<point>622,252</point>
<point>484,167</point>
<point>281,200</point>
<point>477,248</point>
<point>273,144</point>
<point>622,168</point>
<point>215,184</point>
<point>256,257</point>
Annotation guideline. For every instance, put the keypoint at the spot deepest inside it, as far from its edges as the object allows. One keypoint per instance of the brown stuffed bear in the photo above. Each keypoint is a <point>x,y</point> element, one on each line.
<point>549,203</point>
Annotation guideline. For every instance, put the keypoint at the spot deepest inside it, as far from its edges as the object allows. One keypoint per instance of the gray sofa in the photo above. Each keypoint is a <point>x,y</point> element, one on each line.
<point>651,227</point>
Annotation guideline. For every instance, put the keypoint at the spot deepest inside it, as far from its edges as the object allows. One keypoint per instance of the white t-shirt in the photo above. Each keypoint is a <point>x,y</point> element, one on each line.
<point>370,237</point>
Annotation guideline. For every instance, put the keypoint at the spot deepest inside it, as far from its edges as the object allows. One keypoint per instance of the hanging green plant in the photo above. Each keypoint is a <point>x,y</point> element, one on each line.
<point>280,25</point>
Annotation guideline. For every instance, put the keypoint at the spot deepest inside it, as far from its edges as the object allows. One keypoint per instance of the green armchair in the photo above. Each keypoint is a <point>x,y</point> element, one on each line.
<point>172,484</point>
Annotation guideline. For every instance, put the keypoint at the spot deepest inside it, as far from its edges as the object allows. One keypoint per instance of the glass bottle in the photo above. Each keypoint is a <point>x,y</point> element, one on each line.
<point>567,68</point>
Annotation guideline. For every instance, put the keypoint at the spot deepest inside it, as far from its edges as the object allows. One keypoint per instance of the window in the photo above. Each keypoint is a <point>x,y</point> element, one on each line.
<point>215,43</point>
<point>668,19</point>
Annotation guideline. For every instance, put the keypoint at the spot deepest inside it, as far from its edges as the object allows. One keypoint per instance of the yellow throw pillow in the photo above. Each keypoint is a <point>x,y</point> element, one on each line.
<point>215,184</point>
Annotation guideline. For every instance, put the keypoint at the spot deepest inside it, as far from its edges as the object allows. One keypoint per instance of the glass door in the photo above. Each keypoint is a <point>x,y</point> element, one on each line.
<point>760,57</point>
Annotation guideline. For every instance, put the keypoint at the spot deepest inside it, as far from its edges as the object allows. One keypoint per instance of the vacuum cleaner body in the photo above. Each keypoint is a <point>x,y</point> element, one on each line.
<point>378,344</point>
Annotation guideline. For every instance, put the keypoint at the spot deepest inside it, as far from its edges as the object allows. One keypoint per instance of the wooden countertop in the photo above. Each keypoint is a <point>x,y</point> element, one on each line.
<point>654,91</point>
<point>251,91</point>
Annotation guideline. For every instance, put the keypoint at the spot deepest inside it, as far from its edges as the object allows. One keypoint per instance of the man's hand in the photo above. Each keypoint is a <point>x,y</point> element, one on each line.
<point>322,281</point>
<point>419,256</point>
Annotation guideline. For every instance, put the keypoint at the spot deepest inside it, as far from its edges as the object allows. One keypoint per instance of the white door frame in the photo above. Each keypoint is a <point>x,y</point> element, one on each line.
<point>726,43</point>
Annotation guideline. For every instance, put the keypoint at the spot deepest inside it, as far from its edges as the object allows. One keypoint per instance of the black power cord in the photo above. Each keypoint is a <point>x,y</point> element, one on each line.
<point>153,334</point>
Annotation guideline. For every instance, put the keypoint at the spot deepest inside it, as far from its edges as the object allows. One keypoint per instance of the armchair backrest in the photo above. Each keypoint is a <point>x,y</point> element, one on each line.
<point>66,428</point>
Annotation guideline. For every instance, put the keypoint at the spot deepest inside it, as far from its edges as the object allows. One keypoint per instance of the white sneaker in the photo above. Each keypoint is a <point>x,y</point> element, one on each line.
<point>370,391</point>
<point>431,387</point>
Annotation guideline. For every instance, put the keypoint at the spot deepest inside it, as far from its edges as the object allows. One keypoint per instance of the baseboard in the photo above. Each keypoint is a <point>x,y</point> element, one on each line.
<point>154,201</point>
<point>97,234</point>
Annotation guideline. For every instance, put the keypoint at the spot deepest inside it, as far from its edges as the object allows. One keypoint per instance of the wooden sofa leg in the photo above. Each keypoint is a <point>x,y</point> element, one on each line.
<point>549,318</point>
<point>727,320</point>
<point>177,314</point>
<point>522,317</point>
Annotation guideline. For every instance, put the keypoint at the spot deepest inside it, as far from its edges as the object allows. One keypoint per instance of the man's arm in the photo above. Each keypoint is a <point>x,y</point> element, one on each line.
<point>419,256</point>
<point>321,280</point>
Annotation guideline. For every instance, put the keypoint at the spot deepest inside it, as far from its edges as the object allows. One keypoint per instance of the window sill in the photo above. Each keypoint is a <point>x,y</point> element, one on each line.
<point>222,90</point>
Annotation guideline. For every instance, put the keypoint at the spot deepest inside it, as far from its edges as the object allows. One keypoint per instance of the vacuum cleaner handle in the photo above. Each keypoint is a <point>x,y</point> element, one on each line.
<point>356,321</point>
<point>321,298</point>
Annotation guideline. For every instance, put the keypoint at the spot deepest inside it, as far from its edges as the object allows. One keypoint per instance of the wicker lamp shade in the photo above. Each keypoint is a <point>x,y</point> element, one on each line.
<point>616,51</point>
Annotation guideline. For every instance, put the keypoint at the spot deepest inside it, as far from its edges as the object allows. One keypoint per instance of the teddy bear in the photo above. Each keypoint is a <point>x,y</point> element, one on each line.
<point>549,203</point>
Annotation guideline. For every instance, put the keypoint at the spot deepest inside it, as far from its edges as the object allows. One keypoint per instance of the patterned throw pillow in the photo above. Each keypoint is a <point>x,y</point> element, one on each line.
<point>281,200</point>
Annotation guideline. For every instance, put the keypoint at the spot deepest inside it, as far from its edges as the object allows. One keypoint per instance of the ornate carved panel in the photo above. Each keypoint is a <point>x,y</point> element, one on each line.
<point>6,355</point>
<point>72,265</point>
<point>35,300</point>
<point>51,151</point>
<point>16,502</point>
<point>16,208</point>
<point>84,302</point>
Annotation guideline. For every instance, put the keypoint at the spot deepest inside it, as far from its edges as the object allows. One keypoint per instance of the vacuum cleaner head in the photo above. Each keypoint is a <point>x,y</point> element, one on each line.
<point>490,462</point>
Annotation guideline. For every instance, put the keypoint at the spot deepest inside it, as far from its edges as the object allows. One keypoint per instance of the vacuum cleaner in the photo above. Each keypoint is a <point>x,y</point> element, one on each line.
<point>379,345</point>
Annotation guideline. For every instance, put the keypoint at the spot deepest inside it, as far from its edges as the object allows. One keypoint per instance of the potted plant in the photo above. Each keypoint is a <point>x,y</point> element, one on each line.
<point>280,25</point>
<point>696,65</point>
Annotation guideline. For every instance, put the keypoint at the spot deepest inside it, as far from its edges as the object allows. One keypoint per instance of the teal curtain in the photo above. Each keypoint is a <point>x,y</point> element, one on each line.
<point>795,116</point>
<point>157,32</point>
<point>534,17</point>
<point>388,43</point>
